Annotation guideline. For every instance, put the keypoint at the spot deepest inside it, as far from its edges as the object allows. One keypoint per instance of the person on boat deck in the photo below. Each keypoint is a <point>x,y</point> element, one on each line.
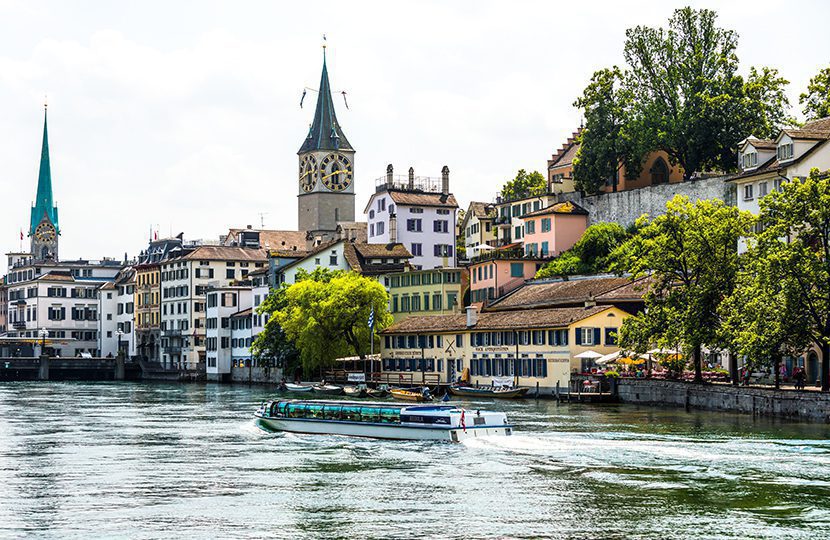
<point>425,392</point>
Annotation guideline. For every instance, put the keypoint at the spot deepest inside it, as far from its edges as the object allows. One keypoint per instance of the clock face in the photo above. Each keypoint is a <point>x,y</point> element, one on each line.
<point>45,233</point>
<point>336,171</point>
<point>308,173</point>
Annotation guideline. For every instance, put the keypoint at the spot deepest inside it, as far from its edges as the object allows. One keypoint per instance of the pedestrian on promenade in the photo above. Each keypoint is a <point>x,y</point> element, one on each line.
<point>782,372</point>
<point>800,378</point>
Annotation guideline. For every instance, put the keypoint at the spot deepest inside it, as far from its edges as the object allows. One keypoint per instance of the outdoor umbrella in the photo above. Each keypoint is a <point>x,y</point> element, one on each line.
<point>588,355</point>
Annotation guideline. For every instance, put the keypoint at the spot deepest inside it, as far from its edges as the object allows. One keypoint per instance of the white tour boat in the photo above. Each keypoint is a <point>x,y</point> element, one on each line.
<point>381,420</point>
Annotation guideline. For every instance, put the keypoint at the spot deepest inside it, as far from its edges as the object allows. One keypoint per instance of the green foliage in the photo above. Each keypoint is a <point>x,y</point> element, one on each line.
<point>272,343</point>
<point>681,93</point>
<point>591,254</point>
<point>816,100</point>
<point>611,374</point>
<point>525,185</point>
<point>327,318</point>
<point>689,254</point>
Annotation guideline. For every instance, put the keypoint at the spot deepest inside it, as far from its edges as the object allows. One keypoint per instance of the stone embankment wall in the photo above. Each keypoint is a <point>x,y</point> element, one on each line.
<point>256,375</point>
<point>808,405</point>
<point>624,207</point>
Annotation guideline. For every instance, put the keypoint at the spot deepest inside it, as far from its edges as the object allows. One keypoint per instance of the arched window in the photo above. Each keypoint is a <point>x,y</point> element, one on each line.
<point>659,172</point>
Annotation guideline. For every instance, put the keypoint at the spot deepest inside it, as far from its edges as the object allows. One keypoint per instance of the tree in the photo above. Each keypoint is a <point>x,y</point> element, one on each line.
<point>327,318</point>
<point>764,106</point>
<point>793,254</point>
<point>604,143</point>
<point>591,254</point>
<point>689,254</point>
<point>272,343</point>
<point>816,100</point>
<point>525,185</point>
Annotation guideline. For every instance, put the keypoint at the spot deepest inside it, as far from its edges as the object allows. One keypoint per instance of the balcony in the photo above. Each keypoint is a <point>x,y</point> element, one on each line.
<point>19,325</point>
<point>402,183</point>
<point>171,333</point>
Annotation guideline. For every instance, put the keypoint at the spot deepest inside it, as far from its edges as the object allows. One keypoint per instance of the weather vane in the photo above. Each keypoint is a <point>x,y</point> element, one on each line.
<point>308,89</point>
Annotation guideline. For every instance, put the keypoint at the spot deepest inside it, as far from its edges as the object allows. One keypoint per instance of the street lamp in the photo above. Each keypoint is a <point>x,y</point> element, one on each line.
<point>43,333</point>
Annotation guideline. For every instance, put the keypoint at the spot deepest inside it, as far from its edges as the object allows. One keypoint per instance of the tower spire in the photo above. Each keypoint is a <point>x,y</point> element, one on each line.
<point>44,205</point>
<point>325,132</point>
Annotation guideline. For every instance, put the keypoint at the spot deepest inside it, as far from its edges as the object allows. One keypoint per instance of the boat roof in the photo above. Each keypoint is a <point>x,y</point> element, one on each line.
<point>409,406</point>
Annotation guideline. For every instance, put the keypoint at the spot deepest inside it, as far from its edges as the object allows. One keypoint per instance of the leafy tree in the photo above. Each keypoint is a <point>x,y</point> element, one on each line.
<point>793,262</point>
<point>591,254</point>
<point>816,100</point>
<point>605,144</point>
<point>272,343</point>
<point>525,185</point>
<point>680,93</point>
<point>690,255</point>
<point>328,318</point>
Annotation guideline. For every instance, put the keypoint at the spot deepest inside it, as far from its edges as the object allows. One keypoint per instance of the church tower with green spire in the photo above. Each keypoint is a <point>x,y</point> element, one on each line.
<point>43,224</point>
<point>326,187</point>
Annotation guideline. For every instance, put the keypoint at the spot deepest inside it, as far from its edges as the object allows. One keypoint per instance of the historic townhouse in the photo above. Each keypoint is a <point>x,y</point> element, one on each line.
<point>498,272</point>
<point>227,321</point>
<point>116,315</point>
<point>478,228</point>
<point>184,282</point>
<point>418,212</point>
<point>550,231</point>
<point>425,292</point>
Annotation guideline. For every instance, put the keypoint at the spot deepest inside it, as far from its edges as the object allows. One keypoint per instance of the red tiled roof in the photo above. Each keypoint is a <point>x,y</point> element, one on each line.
<point>411,198</point>
<point>566,207</point>
<point>226,253</point>
<point>572,291</point>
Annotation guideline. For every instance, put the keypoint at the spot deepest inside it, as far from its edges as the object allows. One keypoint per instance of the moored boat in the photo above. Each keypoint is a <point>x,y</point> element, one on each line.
<point>290,387</point>
<point>489,391</point>
<point>377,392</point>
<point>410,395</point>
<point>380,420</point>
<point>328,389</point>
<point>355,391</point>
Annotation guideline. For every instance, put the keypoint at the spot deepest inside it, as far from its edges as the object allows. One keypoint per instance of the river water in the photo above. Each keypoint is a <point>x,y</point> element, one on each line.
<point>81,460</point>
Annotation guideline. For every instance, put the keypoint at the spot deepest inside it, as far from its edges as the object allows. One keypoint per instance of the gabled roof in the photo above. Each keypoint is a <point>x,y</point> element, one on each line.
<point>565,155</point>
<point>575,290</point>
<point>225,253</point>
<point>508,320</point>
<point>773,165</point>
<point>325,132</point>
<point>480,210</point>
<point>412,198</point>
<point>759,144</point>
<point>566,207</point>
<point>272,239</point>
<point>815,130</point>
<point>360,254</point>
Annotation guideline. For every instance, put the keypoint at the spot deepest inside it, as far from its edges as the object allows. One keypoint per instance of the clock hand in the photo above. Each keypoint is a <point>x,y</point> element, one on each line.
<point>305,174</point>
<point>335,172</point>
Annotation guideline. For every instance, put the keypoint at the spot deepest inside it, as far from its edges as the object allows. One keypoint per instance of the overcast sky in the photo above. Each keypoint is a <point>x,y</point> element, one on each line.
<point>185,115</point>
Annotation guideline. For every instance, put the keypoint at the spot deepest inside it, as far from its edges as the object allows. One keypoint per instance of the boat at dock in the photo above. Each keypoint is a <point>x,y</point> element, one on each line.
<point>355,391</point>
<point>489,391</point>
<point>328,389</point>
<point>290,387</point>
<point>410,395</point>
<point>381,420</point>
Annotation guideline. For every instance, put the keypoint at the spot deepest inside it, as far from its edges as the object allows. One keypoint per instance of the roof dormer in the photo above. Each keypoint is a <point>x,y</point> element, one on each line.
<point>753,152</point>
<point>785,149</point>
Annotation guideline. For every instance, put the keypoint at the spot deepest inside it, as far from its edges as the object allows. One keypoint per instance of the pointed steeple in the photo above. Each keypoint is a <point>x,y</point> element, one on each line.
<point>44,205</point>
<point>325,132</point>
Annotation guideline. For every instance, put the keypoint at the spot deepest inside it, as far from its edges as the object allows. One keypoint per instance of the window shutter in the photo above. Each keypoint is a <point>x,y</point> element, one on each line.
<point>597,337</point>
<point>579,336</point>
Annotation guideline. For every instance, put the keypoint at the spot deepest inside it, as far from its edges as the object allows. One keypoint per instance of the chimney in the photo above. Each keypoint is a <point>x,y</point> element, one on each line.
<point>445,180</point>
<point>389,174</point>
<point>393,228</point>
<point>472,314</point>
<point>411,184</point>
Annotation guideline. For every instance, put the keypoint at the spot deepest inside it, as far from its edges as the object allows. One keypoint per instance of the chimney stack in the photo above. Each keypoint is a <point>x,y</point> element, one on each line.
<point>445,180</point>
<point>411,178</point>
<point>393,228</point>
<point>389,174</point>
<point>472,314</point>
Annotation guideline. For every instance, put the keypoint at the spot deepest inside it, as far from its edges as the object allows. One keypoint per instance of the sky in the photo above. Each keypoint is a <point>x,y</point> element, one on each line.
<point>184,116</point>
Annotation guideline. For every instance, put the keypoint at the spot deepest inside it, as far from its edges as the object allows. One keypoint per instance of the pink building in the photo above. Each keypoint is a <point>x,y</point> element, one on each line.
<point>552,230</point>
<point>500,272</point>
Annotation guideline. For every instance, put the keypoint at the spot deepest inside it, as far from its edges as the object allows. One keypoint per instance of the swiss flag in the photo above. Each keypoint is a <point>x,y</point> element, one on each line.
<point>21,234</point>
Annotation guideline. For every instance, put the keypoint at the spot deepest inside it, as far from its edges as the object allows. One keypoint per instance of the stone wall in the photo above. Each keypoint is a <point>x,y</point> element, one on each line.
<point>256,375</point>
<point>809,405</point>
<point>624,207</point>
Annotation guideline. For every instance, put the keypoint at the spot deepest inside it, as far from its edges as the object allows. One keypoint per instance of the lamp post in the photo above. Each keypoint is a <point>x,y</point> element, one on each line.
<point>43,333</point>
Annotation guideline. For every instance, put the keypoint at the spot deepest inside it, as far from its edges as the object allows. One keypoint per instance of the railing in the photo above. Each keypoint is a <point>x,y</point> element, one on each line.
<point>500,254</point>
<point>401,182</point>
<point>171,333</point>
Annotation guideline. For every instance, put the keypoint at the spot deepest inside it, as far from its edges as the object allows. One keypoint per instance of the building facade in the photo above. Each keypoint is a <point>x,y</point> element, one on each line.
<point>550,231</point>
<point>478,228</point>
<point>425,292</point>
<point>509,223</point>
<point>500,272</point>
<point>225,305</point>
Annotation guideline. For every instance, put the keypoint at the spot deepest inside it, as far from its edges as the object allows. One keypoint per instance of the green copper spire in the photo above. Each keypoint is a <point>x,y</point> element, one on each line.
<point>44,206</point>
<point>325,132</point>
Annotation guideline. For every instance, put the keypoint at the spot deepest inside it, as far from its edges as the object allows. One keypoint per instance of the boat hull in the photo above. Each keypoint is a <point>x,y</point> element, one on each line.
<point>480,392</point>
<point>409,396</point>
<point>297,388</point>
<point>380,431</point>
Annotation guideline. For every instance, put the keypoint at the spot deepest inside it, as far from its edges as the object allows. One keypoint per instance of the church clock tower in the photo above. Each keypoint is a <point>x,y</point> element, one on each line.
<point>326,172</point>
<point>43,224</point>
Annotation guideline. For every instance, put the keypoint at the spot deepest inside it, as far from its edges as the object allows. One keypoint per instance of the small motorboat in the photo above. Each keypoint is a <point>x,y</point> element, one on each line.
<point>410,395</point>
<point>489,391</point>
<point>377,392</point>
<point>355,391</point>
<point>290,387</point>
<point>328,389</point>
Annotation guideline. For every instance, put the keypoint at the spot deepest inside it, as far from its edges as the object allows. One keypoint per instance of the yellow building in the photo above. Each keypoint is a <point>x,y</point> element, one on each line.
<point>534,346</point>
<point>424,292</point>
<point>147,310</point>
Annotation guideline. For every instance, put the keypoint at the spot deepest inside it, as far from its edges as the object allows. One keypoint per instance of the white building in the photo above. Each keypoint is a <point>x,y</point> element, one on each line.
<point>478,228</point>
<point>116,315</point>
<point>765,164</point>
<point>224,305</point>
<point>418,212</point>
<point>60,298</point>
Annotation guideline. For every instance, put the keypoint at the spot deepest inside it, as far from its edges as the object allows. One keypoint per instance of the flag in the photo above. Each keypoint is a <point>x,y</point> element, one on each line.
<point>463,425</point>
<point>21,234</point>
<point>372,318</point>
<point>155,235</point>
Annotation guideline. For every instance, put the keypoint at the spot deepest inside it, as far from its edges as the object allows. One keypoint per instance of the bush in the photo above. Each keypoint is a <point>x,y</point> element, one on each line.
<point>611,374</point>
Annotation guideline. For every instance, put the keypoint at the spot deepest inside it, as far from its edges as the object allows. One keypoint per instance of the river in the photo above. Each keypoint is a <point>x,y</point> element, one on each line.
<point>81,460</point>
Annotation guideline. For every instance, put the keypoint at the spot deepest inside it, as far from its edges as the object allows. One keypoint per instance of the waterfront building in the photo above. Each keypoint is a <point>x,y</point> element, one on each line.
<point>326,173</point>
<point>364,258</point>
<point>496,273</point>
<point>478,228</point>
<point>418,212</point>
<point>224,305</point>
<point>4,306</point>
<point>185,277</point>
<point>552,230</point>
<point>116,315</point>
<point>533,346</point>
<point>148,295</point>
<point>260,288</point>
<point>292,241</point>
<point>765,164</point>
<point>509,223</point>
<point>656,170</point>
<point>437,291</point>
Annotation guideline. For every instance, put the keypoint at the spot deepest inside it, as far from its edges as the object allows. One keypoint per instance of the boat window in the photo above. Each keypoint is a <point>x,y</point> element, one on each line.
<point>390,416</point>
<point>369,414</point>
<point>332,412</point>
<point>351,413</point>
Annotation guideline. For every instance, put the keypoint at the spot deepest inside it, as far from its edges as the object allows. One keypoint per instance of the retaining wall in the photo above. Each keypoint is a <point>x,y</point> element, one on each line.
<point>624,207</point>
<point>807,405</point>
